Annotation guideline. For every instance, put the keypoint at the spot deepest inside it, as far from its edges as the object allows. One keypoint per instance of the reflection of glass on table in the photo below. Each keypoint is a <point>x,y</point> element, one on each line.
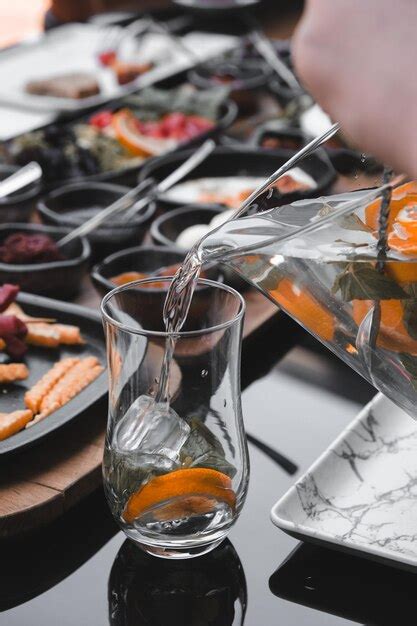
<point>210,591</point>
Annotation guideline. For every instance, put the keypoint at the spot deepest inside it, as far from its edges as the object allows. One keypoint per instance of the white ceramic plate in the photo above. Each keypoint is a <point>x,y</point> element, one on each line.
<point>361,494</point>
<point>74,48</point>
<point>191,191</point>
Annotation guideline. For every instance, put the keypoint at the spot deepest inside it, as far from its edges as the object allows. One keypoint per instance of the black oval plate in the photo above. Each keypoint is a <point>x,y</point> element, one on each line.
<point>40,360</point>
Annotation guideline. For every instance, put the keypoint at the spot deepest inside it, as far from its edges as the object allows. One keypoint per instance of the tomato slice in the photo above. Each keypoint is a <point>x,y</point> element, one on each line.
<point>107,57</point>
<point>101,119</point>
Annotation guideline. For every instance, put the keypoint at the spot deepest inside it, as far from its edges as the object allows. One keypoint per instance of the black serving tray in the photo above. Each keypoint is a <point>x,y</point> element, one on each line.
<point>40,360</point>
<point>128,175</point>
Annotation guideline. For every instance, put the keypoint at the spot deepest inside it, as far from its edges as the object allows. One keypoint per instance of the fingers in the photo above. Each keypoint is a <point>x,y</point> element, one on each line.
<point>358,61</point>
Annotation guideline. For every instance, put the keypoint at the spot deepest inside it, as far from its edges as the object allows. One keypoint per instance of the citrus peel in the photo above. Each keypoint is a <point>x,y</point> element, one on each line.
<point>185,492</point>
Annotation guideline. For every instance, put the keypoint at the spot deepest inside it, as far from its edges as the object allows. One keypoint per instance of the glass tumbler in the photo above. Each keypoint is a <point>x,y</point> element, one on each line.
<point>175,472</point>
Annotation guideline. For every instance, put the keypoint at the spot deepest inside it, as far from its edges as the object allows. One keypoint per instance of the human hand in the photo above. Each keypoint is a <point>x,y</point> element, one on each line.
<point>358,58</point>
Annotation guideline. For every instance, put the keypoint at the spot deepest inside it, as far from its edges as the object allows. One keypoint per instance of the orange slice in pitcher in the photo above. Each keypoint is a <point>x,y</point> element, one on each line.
<point>305,309</point>
<point>400,197</point>
<point>403,239</point>
<point>393,334</point>
<point>402,229</point>
<point>186,492</point>
<point>403,236</point>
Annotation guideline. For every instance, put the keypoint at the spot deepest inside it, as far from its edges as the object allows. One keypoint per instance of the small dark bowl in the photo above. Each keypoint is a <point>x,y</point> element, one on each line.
<point>272,138</point>
<point>254,74</point>
<point>286,94</point>
<point>61,279</point>
<point>215,8</point>
<point>278,87</point>
<point>56,208</point>
<point>18,206</point>
<point>283,92</point>
<point>282,49</point>
<point>165,230</point>
<point>344,159</point>
<point>146,259</point>
<point>243,161</point>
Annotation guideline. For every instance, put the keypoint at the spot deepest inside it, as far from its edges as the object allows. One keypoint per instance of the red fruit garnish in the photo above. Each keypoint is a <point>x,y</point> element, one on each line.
<point>196,126</point>
<point>13,331</point>
<point>101,119</point>
<point>12,325</point>
<point>174,121</point>
<point>107,57</point>
<point>8,295</point>
<point>15,347</point>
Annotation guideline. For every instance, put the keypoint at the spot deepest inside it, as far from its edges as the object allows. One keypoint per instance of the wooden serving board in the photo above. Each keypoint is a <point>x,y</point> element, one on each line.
<point>41,483</point>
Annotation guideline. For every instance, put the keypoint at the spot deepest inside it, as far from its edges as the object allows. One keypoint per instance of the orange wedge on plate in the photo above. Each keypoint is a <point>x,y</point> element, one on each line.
<point>127,133</point>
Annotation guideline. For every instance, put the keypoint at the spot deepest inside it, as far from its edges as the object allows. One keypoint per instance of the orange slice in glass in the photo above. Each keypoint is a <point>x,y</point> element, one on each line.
<point>191,491</point>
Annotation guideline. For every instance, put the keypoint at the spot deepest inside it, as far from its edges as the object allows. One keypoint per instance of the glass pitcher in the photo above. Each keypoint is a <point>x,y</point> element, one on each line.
<point>317,260</point>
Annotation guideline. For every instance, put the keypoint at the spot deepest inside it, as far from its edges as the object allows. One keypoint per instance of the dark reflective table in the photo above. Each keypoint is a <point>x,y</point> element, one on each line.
<point>82,571</point>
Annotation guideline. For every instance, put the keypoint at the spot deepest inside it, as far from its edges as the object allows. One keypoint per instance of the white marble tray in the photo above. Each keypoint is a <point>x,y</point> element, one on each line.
<point>361,494</point>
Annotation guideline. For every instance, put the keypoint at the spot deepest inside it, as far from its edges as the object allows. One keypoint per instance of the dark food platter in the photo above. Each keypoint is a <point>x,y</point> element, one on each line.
<point>126,175</point>
<point>40,360</point>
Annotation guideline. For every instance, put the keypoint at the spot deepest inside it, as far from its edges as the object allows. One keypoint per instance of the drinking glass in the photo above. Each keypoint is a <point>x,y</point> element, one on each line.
<point>175,474</point>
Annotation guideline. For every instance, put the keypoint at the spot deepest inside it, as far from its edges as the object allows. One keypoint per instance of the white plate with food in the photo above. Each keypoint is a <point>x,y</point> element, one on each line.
<point>360,495</point>
<point>78,66</point>
<point>231,191</point>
